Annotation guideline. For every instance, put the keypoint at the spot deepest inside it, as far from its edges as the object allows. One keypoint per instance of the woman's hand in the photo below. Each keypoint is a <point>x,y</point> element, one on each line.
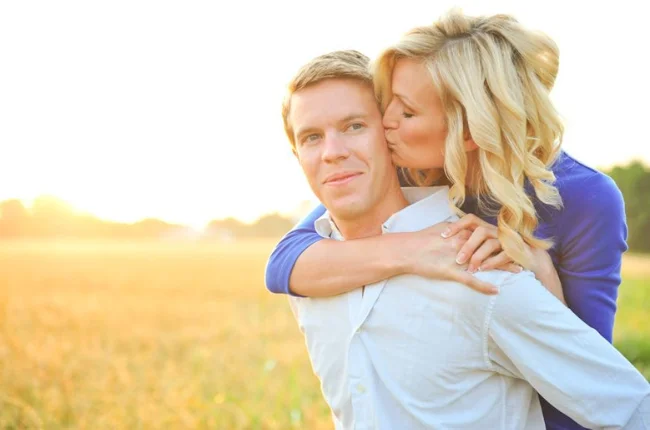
<point>428,254</point>
<point>482,251</point>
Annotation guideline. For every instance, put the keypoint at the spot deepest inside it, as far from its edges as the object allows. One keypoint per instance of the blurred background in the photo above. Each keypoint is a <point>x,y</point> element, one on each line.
<point>145,178</point>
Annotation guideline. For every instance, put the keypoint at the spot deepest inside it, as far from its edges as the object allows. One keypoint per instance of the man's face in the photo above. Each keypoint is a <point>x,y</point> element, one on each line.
<point>341,146</point>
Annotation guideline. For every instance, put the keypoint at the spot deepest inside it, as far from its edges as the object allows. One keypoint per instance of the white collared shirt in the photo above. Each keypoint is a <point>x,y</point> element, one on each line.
<point>416,353</point>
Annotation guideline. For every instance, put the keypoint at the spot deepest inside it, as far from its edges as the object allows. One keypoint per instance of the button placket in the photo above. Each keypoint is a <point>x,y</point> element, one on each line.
<point>356,386</point>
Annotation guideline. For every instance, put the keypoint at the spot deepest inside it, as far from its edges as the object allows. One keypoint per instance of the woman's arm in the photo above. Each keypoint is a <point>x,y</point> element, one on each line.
<point>306,264</point>
<point>593,234</point>
<point>546,274</point>
<point>281,262</point>
<point>330,267</point>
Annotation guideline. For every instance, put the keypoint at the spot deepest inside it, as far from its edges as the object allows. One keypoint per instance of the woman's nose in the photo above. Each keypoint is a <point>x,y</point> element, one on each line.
<point>390,120</point>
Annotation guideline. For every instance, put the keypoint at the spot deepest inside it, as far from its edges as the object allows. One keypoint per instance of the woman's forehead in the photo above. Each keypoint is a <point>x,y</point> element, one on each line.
<point>412,82</point>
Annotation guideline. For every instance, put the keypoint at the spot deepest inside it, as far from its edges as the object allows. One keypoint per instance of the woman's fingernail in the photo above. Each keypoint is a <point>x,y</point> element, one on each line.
<point>519,269</point>
<point>493,290</point>
<point>446,233</point>
<point>482,268</point>
<point>460,259</point>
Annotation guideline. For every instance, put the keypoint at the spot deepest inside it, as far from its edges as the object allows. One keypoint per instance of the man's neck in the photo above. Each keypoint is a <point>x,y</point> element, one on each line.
<point>370,224</point>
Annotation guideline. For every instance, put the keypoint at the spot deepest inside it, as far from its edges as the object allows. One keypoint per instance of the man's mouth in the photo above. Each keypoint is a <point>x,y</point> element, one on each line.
<point>341,178</point>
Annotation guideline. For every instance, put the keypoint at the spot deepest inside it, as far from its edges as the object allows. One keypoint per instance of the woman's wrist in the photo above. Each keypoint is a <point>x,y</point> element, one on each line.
<point>398,253</point>
<point>545,273</point>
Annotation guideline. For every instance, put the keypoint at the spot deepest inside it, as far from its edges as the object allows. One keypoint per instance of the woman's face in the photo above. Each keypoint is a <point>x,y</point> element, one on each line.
<point>415,120</point>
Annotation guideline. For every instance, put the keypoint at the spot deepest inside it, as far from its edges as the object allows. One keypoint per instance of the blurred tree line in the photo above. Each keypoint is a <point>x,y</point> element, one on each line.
<point>51,217</point>
<point>634,182</point>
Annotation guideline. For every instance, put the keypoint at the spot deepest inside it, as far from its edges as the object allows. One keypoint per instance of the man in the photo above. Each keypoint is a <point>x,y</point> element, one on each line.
<point>407,353</point>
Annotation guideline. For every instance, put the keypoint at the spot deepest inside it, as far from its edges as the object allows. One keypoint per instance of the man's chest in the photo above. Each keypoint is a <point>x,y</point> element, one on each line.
<point>411,339</point>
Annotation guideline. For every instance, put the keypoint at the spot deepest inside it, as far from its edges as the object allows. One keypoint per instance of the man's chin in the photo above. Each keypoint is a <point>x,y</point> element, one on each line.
<point>343,207</point>
<point>347,214</point>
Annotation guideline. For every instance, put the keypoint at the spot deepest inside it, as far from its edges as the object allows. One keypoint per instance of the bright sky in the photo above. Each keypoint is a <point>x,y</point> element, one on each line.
<point>133,109</point>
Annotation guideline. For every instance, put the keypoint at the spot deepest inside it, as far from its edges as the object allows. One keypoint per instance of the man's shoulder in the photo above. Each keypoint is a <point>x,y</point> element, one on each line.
<point>462,297</point>
<point>426,207</point>
<point>495,277</point>
<point>318,309</point>
<point>303,301</point>
<point>522,297</point>
<point>507,284</point>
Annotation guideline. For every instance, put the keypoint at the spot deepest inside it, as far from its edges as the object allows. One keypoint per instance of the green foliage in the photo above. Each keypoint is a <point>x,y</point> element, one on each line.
<point>634,182</point>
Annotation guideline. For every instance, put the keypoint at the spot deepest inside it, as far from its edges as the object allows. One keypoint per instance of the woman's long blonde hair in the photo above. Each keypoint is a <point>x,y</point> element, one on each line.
<point>494,78</point>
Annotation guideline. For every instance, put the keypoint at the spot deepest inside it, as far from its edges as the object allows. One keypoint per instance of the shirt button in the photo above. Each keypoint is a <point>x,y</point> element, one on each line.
<point>361,389</point>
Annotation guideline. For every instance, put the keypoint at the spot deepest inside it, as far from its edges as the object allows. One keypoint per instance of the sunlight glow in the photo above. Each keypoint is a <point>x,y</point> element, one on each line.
<point>145,109</point>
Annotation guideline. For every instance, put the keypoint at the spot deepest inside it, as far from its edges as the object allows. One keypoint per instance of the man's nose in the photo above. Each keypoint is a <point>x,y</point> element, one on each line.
<point>335,148</point>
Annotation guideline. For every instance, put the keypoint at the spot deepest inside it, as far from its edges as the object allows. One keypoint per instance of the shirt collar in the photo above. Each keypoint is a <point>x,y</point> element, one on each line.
<point>427,206</point>
<point>325,226</point>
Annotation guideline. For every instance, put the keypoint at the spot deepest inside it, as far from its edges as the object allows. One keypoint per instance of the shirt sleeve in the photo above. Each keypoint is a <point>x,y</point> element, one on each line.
<point>533,336</point>
<point>641,419</point>
<point>591,236</point>
<point>593,239</point>
<point>285,254</point>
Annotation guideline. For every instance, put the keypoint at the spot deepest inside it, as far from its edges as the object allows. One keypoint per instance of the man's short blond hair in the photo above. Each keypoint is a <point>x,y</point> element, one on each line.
<point>347,64</point>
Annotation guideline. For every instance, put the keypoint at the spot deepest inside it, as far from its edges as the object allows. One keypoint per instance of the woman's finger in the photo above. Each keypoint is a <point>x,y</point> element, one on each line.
<point>469,222</point>
<point>487,249</point>
<point>512,268</point>
<point>496,262</point>
<point>480,235</point>
<point>474,283</point>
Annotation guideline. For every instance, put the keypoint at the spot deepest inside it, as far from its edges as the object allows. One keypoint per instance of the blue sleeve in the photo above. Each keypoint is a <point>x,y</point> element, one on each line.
<point>593,239</point>
<point>592,234</point>
<point>286,252</point>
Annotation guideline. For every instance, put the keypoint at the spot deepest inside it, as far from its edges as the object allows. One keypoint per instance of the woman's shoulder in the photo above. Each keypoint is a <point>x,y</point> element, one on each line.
<point>586,192</point>
<point>578,182</point>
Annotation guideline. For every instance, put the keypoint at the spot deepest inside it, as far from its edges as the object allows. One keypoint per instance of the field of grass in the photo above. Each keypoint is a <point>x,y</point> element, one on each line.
<point>168,336</point>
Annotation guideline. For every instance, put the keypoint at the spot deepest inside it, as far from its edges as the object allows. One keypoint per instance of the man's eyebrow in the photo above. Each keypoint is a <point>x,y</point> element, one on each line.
<point>310,129</point>
<point>354,116</point>
<point>302,131</point>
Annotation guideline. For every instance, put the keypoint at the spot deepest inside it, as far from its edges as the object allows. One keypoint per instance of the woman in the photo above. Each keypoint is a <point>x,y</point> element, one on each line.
<point>466,101</point>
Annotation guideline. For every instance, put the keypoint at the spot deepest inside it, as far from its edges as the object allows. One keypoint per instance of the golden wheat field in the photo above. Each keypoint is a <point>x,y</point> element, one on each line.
<point>175,336</point>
